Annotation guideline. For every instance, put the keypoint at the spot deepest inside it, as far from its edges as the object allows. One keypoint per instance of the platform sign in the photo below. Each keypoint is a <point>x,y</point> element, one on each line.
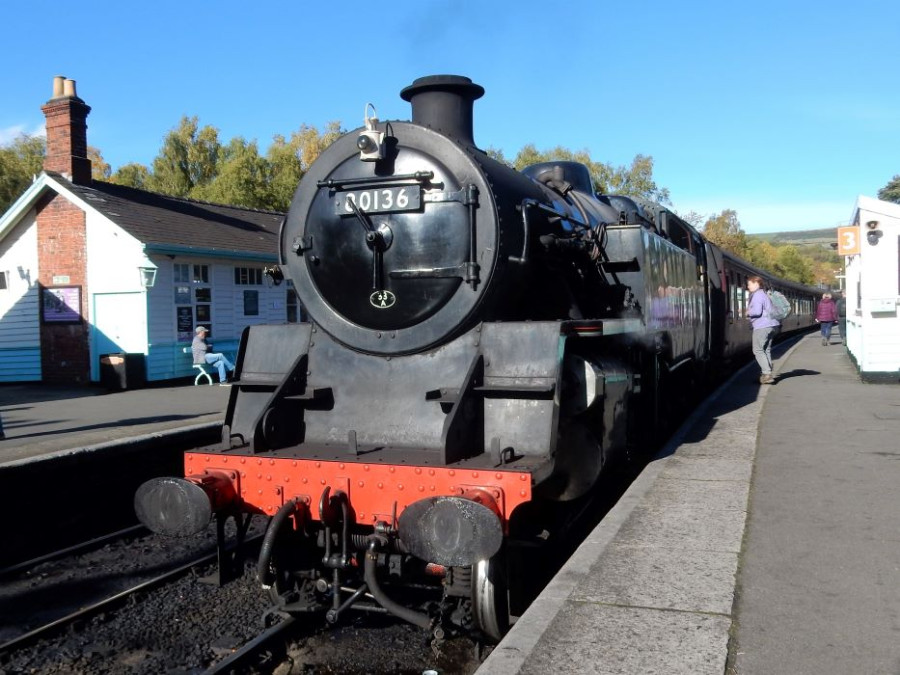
<point>848,240</point>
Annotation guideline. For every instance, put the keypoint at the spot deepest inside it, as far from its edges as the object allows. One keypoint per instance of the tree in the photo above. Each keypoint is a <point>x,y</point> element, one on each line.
<point>289,160</point>
<point>188,158</point>
<point>99,168</point>
<point>891,191</point>
<point>692,218</point>
<point>792,266</point>
<point>20,162</point>
<point>633,181</point>
<point>638,180</point>
<point>724,230</point>
<point>761,253</point>
<point>240,177</point>
<point>132,175</point>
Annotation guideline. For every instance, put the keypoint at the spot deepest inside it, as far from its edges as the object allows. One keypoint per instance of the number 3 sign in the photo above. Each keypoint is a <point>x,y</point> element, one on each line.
<point>848,240</point>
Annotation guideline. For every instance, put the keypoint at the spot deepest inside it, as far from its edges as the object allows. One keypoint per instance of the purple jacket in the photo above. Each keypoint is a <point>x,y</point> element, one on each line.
<point>760,310</point>
<point>826,310</point>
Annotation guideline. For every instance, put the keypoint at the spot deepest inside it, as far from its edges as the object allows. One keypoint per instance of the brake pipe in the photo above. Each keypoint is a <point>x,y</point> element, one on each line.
<point>413,617</point>
<point>263,572</point>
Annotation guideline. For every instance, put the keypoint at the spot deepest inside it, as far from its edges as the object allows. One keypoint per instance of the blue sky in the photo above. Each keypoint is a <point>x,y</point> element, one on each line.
<point>783,111</point>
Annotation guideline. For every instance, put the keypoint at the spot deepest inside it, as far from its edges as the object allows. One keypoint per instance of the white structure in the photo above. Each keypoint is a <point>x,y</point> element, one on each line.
<point>873,290</point>
<point>89,268</point>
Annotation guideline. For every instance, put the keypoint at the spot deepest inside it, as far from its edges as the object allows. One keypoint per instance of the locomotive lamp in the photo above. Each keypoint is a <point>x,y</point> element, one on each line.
<point>874,234</point>
<point>452,531</point>
<point>371,141</point>
<point>179,507</point>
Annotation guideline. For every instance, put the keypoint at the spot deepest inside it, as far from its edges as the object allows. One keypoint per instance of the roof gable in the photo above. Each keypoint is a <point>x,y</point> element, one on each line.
<point>161,221</point>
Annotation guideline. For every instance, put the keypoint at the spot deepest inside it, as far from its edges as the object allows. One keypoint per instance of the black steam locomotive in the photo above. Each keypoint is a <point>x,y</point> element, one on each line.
<point>481,344</point>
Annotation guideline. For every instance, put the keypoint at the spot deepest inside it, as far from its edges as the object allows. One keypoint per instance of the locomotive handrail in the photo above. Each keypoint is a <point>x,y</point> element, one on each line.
<point>526,231</point>
<point>524,206</point>
<point>417,177</point>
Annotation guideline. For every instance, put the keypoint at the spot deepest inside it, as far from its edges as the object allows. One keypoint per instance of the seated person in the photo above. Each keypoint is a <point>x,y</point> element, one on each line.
<point>203,354</point>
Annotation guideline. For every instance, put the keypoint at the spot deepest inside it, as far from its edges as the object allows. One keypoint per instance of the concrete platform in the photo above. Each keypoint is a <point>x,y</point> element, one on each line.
<point>764,539</point>
<point>40,420</point>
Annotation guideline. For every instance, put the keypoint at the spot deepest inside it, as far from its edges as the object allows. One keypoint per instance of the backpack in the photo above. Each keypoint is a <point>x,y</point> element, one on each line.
<point>781,306</point>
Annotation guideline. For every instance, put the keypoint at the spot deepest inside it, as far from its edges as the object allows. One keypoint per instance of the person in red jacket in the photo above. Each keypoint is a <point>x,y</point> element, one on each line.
<point>826,317</point>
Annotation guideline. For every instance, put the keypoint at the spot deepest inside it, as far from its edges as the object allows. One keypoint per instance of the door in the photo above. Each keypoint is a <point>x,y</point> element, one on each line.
<point>120,325</point>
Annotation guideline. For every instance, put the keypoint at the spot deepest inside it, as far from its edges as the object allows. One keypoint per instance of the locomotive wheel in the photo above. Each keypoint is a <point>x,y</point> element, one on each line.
<point>490,602</point>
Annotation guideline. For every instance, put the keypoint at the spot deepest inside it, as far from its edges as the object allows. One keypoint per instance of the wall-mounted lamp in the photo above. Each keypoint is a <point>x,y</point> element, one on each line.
<point>148,273</point>
<point>874,234</point>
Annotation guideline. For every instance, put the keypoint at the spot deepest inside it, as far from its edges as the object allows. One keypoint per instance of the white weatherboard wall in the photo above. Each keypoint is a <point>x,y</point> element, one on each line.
<point>873,289</point>
<point>117,307</point>
<point>166,358</point>
<point>20,330</point>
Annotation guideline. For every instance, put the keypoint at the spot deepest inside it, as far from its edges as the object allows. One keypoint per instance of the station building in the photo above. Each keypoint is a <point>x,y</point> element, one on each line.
<point>872,257</point>
<point>89,269</point>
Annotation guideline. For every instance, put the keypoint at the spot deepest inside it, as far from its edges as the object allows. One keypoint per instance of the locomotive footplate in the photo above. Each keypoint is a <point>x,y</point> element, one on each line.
<point>376,492</point>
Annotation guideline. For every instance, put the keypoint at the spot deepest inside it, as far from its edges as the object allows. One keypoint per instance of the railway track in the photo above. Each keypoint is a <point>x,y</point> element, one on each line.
<point>49,629</point>
<point>173,621</point>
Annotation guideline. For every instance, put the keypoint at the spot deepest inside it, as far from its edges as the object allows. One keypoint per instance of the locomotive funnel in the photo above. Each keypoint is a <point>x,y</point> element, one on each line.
<point>444,103</point>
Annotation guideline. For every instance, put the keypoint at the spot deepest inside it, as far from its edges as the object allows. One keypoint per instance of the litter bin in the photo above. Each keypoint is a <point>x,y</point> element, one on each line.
<point>122,371</point>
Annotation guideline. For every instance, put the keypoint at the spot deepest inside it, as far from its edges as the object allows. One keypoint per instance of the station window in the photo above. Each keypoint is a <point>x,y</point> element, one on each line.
<point>181,273</point>
<point>251,303</point>
<point>248,276</point>
<point>192,308</point>
<point>4,281</point>
<point>185,273</point>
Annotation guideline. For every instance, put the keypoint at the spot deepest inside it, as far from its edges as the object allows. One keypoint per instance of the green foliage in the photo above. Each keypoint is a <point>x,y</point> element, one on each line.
<point>188,158</point>
<point>193,163</point>
<point>20,161</point>
<point>724,230</point>
<point>132,175</point>
<point>633,181</point>
<point>891,191</point>
<point>785,261</point>
<point>100,170</point>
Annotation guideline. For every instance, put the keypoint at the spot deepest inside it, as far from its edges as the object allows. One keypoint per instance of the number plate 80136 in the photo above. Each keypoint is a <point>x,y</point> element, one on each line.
<point>380,200</point>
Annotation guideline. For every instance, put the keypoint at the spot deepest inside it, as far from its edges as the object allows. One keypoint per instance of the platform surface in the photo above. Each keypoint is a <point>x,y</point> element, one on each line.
<point>764,539</point>
<point>39,419</point>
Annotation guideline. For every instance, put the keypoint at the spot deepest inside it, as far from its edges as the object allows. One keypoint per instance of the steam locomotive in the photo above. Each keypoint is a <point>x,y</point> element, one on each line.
<point>481,345</point>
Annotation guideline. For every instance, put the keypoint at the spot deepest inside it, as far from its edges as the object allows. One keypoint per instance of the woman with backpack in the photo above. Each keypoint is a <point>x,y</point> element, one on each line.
<point>765,328</point>
<point>826,317</point>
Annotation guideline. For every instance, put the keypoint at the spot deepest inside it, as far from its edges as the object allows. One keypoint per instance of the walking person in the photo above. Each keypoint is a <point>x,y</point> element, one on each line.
<point>203,353</point>
<point>826,317</point>
<point>765,328</point>
<point>842,316</point>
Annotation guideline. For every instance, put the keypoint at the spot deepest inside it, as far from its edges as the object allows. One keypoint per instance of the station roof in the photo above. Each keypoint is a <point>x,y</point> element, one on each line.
<point>162,222</point>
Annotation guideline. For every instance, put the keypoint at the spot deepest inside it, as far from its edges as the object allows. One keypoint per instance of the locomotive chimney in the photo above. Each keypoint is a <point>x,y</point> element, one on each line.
<point>444,103</point>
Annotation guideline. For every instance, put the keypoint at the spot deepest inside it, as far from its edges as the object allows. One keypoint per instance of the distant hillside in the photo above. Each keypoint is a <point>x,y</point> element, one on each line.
<point>823,237</point>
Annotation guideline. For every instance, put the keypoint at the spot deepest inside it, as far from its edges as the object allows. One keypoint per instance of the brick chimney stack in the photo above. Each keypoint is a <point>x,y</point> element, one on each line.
<point>62,236</point>
<point>67,132</point>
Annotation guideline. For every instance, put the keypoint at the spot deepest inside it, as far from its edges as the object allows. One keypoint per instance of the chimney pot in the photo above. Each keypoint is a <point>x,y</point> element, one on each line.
<point>58,86</point>
<point>69,89</point>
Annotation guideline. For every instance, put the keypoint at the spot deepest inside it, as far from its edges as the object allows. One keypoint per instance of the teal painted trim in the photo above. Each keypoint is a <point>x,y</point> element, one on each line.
<point>20,365</point>
<point>175,249</point>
